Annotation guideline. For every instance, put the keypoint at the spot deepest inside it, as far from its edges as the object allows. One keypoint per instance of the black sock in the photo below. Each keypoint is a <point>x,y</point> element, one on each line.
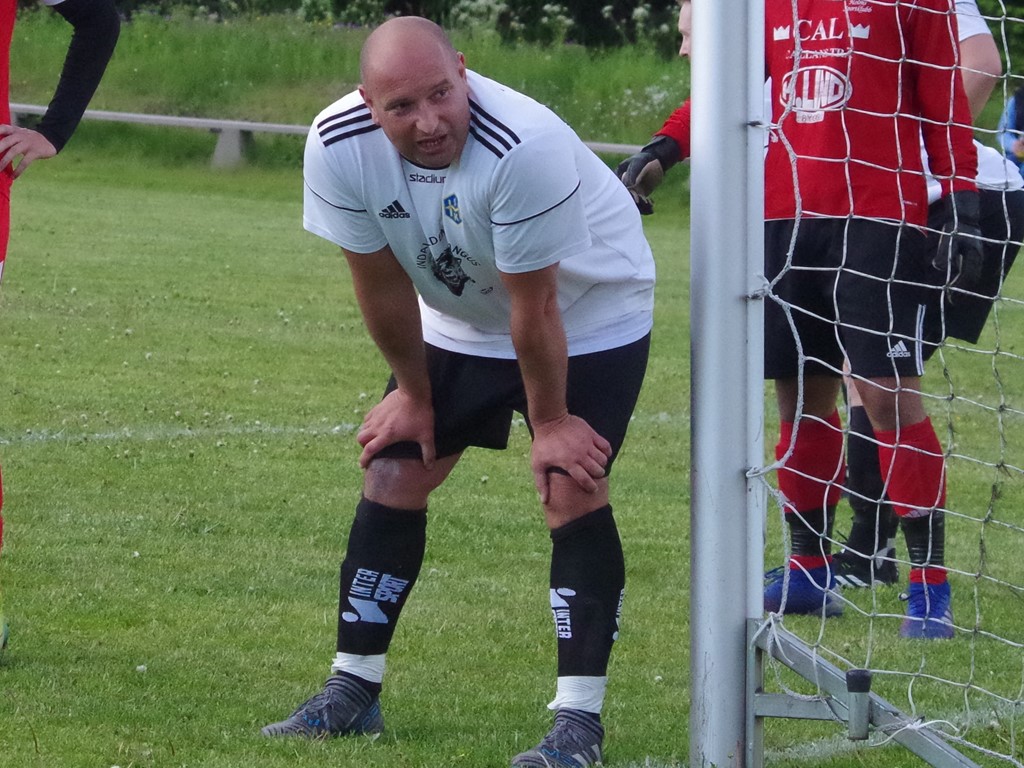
<point>926,539</point>
<point>588,575</point>
<point>385,552</point>
<point>810,531</point>
<point>874,522</point>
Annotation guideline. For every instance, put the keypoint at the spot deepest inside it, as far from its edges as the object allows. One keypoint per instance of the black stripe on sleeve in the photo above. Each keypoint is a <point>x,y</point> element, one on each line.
<point>483,115</point>
<point>539,213</point>
<point>333,205</point>
<point>486,142</point>
<point>349,134</point>
<point>344,125</point>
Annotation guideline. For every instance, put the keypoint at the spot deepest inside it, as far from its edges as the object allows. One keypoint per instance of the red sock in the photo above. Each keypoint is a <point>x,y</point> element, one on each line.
<point>929,575</point>
<point>914,468</point>
<point>813,475</point>
<point>807,562</point>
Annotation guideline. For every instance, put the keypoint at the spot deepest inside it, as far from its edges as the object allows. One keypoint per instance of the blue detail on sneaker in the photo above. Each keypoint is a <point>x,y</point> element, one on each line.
<point>573,742</point>
<point>929,613</point>
<point>342,708</point>
<point>811,591</point>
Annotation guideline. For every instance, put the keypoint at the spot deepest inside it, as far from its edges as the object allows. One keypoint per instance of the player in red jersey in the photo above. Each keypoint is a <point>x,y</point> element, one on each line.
<point>96,26</point>
<point>837,76</point>
<point>855,85</point>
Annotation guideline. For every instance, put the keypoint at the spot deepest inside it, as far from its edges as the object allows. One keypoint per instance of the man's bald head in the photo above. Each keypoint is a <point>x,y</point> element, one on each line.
<point>400,36</point>
<point>415,86</point>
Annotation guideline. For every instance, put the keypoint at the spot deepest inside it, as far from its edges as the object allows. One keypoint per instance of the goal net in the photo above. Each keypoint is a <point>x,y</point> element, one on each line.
<point>969,688</point>
<point>956,701</point>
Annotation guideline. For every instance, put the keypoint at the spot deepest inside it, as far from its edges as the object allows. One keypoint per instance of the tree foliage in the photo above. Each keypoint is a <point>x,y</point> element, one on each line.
<point>606,23</point>
<point>1004,20</point>
<point>592,23</point>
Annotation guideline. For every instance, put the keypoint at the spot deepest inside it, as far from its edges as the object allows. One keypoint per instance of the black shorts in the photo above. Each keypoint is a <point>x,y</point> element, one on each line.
<point>1002,227</point>
<point>844,288</point>
<point>474,397</point>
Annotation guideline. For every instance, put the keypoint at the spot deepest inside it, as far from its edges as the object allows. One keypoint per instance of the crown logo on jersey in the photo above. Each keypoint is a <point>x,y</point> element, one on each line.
<point>860,31</point>
<point>780,33</point>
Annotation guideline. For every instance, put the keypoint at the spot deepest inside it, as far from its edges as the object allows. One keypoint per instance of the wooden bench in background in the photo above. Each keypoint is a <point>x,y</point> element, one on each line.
<point>234,136</point>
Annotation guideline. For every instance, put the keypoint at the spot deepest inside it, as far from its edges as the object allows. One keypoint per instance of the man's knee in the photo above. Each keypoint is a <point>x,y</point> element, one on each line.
<point>568,502</point>
<point>815,396</point>
<point>892,402</point>
<point>404,483</point>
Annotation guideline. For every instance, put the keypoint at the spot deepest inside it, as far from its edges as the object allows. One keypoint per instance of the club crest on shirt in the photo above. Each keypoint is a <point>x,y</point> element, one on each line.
<point>451,209</point>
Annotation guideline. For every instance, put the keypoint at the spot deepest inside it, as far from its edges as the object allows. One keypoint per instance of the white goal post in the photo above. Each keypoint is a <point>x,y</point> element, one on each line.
<point>726,244</point>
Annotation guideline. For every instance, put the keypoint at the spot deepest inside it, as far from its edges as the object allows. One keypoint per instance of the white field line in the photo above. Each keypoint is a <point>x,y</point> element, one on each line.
<point>149,434</point>
<point>257,428</point>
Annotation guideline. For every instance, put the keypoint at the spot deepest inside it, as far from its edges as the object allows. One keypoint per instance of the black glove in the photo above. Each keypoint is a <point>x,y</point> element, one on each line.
<point>644,171</point>
<point>959,254</point>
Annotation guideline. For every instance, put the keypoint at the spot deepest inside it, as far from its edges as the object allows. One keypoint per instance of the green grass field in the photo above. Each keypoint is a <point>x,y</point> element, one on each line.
<point>182,371</point>
<point>184,367</point>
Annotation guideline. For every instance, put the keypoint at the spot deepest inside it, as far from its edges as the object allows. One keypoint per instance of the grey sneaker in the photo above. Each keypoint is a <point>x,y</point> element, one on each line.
<point>343,707</point>
<point>574,742</point>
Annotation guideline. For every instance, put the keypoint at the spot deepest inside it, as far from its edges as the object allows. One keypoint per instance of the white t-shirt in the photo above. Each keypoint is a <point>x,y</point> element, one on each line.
<point>969,20</point>
<point>994,170</point>
<point>524,194</point>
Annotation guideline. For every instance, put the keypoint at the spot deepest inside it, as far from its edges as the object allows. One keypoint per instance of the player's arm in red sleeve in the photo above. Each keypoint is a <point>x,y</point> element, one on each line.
<point>677,128</point>
<point>945,111</point>
<point>644,171</point>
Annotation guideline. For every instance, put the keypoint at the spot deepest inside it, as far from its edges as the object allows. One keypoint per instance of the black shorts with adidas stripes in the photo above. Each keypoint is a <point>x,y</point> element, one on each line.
<point>853,288</point>
<point>475,397</point>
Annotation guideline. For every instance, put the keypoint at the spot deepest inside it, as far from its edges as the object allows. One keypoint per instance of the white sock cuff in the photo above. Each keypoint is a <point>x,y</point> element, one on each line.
<point>583,693</point>
<point>369,668</point>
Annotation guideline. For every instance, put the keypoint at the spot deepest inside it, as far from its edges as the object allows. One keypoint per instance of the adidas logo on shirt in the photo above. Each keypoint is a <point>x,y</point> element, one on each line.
<point>898,350</point>
<point>393,211</point>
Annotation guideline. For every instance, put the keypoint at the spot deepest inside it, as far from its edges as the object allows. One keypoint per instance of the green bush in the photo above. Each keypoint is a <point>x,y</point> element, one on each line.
<point>1006,24</point>
<point>612,24</point>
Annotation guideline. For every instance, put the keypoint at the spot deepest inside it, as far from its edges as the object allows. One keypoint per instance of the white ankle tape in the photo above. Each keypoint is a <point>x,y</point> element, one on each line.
<point>370,668</point>
<point>583,693</point>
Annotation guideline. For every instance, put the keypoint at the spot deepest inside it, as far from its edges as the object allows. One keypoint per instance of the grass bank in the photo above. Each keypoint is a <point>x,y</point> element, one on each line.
<point>282,70</point>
